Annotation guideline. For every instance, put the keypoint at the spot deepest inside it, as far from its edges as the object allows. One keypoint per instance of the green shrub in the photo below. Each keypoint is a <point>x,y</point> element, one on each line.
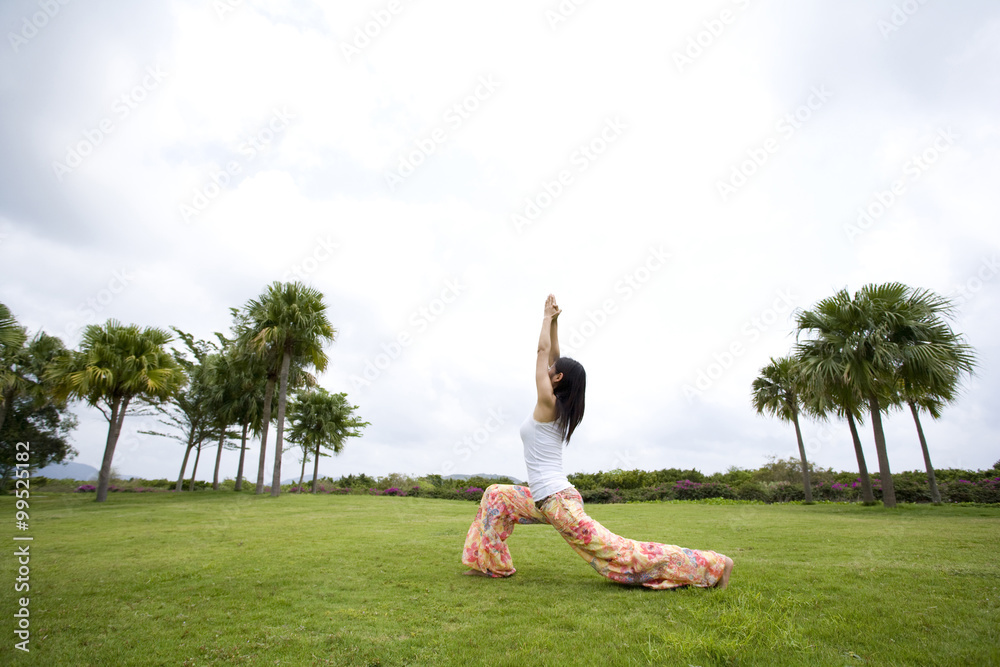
<point>654,493</point>
<point>911,488</point>
<point>395,480</point>
<point>959,491</point>
<point>733,477</point>
<point>482,482</point>
<point>834,492</point>
<point>686,489</point>
<point>601,496</point>
<point>753,491</point>
<point>583,481</point>
<point>361,481</point>
<point>623,479</point>
<point>783,492</point>
<point>987,490</point>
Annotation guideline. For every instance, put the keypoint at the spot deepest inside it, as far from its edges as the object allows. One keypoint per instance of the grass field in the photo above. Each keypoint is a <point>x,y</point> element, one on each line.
<point>218,578</point>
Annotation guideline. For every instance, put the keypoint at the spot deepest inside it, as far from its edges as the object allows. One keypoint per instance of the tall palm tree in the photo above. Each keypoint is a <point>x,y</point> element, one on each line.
<point>245,336</point>
<point>288,322</point>
<point>874,341</point>
<point>933,359</point>
<point>851,344</point>
<point>777,391</point>
<point>116,365</point>
<point>249,375</point>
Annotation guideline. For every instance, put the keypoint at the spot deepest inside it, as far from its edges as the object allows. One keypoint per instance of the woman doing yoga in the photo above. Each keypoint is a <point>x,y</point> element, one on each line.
<point>550,498</point>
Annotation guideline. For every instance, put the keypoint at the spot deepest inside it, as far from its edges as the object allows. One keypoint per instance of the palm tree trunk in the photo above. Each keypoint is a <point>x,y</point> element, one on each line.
<point>118,409</point>
<point>243,453</point>
<point>302,475</point>
<point>282,400</point>
<point>806,483</point>
<point>316,468</point>
<point>866,483</point>
<point>268,395</point>
<point>184,465</point>
<point>4,405</point>
<point>867,496</point>
<point>885,475</point>
<point>218,461</point>
<point>195,470</point>
<point>935,494</point>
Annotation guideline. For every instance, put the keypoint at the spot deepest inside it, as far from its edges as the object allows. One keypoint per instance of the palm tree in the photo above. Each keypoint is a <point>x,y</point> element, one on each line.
<point>850,348</point>
<point>851,345</point>
<point>932,361</point>
<point>876,340</point>
<point>831,394</point>
<point>321,420</point>
<point>116,365</point>
<point>226,393</point>
<point>12,339</point>
<point>28,410</point>
<point>189,410</point>
<point>305,459</point>
<point>287,322</point>
<point>777,391</point>
<point>249,376</point>
<point>11,333</point>
<point>23,365</point>
<point>268,358</point>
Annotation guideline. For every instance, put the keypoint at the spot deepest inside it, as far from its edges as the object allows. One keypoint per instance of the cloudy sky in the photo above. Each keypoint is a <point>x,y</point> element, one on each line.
<point>682,176</point>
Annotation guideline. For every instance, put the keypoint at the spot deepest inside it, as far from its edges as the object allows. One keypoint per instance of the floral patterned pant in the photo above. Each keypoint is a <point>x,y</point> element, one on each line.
<point>617,558</point>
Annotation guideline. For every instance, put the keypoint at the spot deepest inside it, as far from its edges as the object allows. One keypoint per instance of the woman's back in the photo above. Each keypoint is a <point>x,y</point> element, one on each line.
<point>543,450</point>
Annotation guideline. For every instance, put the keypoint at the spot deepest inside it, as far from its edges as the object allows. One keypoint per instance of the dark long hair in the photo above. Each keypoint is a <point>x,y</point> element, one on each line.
<point>569,393</point>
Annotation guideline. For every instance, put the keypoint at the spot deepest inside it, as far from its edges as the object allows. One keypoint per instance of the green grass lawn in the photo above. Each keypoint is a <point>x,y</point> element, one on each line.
<point>220,578</point>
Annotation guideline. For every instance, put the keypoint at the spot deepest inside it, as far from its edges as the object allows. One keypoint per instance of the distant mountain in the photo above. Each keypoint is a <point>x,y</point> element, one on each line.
<point>80,471</point>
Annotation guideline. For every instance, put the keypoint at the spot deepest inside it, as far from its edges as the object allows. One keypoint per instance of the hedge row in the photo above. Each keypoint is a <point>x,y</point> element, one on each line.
<point>909,487</point>
<point>908,490</point>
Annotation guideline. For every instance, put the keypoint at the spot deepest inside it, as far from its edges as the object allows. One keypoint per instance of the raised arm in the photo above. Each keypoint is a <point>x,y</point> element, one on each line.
<point>554,336</point>
<point>545,409</point>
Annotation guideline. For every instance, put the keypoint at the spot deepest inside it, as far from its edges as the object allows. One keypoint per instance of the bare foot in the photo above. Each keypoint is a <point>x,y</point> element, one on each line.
<point>724,580</point>
<point>475,573</point>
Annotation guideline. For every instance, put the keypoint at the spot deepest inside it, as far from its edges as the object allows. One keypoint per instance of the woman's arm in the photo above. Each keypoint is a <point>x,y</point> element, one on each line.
<point>548,339</point>
<point>545,409</point>
<point>554,336</point>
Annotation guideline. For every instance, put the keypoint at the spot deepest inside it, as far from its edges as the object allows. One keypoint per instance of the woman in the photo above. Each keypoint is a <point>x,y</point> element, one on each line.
<point>550,498</point>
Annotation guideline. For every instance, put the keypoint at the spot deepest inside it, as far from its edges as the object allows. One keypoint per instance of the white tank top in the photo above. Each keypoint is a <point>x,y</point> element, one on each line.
<point>543,449</point>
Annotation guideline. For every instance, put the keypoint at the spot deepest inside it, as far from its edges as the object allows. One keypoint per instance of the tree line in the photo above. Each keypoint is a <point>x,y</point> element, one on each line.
<point>205,392</point>
<point>885,347</point>
<point>857,357</point>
